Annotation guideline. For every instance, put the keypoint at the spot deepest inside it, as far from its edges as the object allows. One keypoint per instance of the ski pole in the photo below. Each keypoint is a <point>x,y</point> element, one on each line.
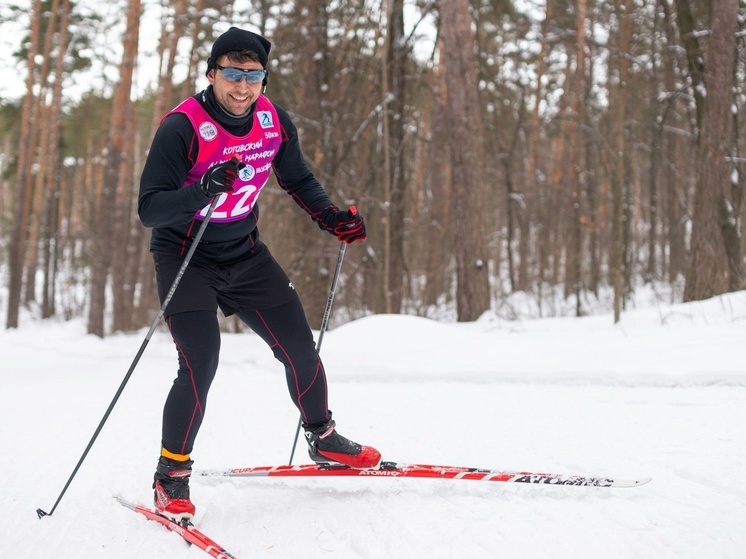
<point>324,323</point>
<point>144,344</point>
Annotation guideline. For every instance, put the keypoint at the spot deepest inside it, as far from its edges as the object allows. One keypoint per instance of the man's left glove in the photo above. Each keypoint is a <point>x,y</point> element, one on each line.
<point>347,225</point>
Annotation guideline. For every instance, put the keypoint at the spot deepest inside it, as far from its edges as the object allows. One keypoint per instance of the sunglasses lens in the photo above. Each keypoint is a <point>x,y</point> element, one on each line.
<point>236,75</point>
<point>254,76</point>
<point>232,74</point>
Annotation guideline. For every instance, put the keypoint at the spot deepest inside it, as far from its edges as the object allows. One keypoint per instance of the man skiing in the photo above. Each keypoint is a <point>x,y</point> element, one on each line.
<point>224,142</point>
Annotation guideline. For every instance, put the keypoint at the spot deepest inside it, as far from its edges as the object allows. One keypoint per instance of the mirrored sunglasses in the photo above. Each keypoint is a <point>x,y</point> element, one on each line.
<point>235,75</point>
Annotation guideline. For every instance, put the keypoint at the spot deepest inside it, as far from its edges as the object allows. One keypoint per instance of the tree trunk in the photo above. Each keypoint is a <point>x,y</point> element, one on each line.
<point>463,118</point>
<point>695,60</point>
<point>314,253</point>
<point>188,86</point>
<point>110,228</point>
<point>42,161</point>
<point>716,264</point>
<point>656,140</point>
<point>534,192</point>
<point>393,70</point>
<point>576,177</point>
<point>54,175</point>
<point>619,246</point>
<point>23,193</point>
<point>671,187</point>
<point>536,230</point>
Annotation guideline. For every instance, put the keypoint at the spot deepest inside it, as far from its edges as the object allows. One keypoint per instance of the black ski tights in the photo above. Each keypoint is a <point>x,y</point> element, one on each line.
<point>197,338</point>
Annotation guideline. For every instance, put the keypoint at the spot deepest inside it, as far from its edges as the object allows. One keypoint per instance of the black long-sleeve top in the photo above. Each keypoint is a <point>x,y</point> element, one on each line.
<point>169,207</point>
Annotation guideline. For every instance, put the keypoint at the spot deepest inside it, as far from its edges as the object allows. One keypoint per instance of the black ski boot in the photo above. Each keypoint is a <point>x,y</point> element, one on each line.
<point>326,446</point>
<point>171,485</point>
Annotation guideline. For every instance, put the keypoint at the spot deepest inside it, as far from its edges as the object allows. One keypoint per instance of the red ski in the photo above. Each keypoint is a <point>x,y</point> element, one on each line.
<point>188,531</point>
<point>397,470</point>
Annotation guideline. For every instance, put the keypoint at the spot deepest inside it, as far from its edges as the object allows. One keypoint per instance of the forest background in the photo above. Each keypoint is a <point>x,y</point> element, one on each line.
<point>558,149</point>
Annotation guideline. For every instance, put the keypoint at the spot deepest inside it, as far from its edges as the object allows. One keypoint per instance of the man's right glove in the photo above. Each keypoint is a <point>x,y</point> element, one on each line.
<point>220,178</point>
<point>347,225</point>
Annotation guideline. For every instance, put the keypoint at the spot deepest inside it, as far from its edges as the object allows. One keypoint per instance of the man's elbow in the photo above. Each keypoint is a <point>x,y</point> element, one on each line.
<point>144,213</point>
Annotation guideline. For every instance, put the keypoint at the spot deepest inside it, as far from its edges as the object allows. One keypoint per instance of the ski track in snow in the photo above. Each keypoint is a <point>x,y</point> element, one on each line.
<point>651,397</point>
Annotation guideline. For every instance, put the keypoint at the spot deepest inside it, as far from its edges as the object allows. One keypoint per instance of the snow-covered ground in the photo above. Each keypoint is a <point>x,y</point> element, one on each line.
<point>661,394</point>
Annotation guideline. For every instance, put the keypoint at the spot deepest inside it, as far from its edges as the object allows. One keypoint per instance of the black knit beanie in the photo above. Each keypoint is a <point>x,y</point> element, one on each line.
<point>236,39</point>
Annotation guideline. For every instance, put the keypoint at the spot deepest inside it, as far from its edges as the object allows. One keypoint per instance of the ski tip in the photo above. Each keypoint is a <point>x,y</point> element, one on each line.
<point>124,502</point>
<point>632,482</point>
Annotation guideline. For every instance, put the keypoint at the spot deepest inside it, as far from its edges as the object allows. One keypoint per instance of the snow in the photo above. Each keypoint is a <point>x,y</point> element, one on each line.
<point>661,394</point>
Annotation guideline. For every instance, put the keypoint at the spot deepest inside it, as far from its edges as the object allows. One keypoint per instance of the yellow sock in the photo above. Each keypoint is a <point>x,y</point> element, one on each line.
<point>173,456</point>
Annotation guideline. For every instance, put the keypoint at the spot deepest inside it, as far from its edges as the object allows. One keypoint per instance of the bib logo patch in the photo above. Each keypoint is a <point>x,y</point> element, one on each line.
<point>265,119</point>
<point>247,173</point>
<point>208,131</point>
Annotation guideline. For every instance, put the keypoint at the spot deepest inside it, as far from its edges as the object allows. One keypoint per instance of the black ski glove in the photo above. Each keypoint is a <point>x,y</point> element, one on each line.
<point>347,225</point>
<point>220,178</point>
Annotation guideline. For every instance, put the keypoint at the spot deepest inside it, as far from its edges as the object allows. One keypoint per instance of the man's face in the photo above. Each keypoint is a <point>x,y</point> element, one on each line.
<point>234,97</point>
